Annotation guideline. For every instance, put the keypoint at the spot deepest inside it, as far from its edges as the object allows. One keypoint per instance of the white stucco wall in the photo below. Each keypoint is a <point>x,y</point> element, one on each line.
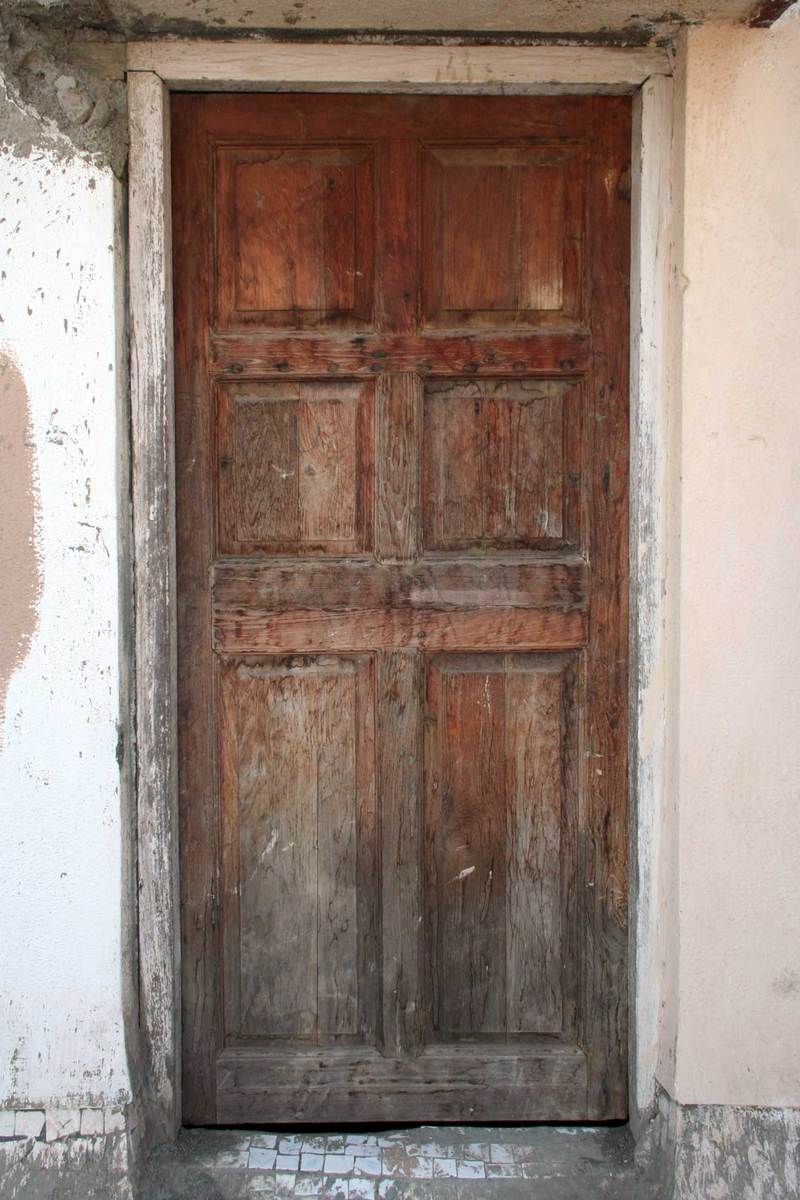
<point>61,1028</point>
<point>737,1025</point>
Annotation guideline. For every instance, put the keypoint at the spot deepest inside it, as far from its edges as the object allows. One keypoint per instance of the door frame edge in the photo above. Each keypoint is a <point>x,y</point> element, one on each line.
<point>154,70</point>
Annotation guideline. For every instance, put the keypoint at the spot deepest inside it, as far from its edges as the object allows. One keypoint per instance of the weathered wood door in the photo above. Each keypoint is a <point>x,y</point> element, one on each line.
<point>402,345</point>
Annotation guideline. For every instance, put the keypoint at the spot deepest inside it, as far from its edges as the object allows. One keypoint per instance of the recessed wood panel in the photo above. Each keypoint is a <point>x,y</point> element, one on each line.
<point>295,235</point>
<point>299,820</point>
<point>295,468</point>
<point>501,464</point>
<point>502,232</point>
<point>500,855</point>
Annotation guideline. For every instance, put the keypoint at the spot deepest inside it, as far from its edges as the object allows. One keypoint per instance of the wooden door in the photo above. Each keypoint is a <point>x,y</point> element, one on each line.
<point>402,347</point>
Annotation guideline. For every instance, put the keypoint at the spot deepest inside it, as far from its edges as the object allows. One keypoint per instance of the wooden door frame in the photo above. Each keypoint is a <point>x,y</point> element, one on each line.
<point>158,67</point>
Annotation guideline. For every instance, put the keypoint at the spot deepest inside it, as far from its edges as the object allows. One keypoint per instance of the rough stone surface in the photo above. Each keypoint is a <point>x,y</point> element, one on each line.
<point>721,1152</point>
<point>44,79</point>
<point>619,20</point>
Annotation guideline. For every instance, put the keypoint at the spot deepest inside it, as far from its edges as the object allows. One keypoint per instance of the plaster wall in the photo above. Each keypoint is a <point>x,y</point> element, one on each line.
<point>734,992</point>
<point>62,1000</point>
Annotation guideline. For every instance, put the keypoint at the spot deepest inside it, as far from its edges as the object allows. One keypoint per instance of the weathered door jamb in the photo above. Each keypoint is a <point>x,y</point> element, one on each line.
<point>155,68</point>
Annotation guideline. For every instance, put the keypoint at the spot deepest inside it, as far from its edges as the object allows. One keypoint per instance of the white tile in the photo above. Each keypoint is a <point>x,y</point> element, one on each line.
<point>338,1164</point>
<point>290,1145</point>
<point>503,1171</point>
<point>8,1117</point>
<point>261,1158</point>
<point>424,1149</point>
<point>92,1123</point>
<point>363,1151</point>
<point>361,1189</point>
<point>445,1168</point>
<point>285,1179</point>
<point>335,1189</point>
<point>475,1151</point>
<point>261,1185</point>
<point>287,1162</point>
<point>308,1185</point>
<point>314,1145</point>
<point>356,1139</point>
<point>265,1140</point>
<point>311,1162</point>
<point>501,1154</point>
<point>371,1165</point>
<point>61,1123</point>
<point>385,1187</point>
<point>470,1169</point>
<point>407,1166</point>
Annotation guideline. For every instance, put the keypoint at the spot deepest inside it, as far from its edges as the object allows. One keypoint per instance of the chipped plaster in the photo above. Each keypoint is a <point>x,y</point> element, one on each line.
<point>53,100</point>
<point>62,993</point>
<point>20,579</point>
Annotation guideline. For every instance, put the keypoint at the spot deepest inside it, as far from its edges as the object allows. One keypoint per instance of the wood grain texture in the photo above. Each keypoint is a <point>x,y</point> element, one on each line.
<point>186,63</point>
<point>295,235</point>
<point>499,848</point>
<point>466,848</point>
<point>200,848</point>
<point>473,354</point>
<point>295,468</point>
<point>491,1082</point>
<point>399,403</point>
<point>603,1017</point>
<point>495,467</point>
<point>502,235</point>
<point>322,630</point>
<point>399,740</point>
<point>438,585</point>
<point>155,687</point>
<point>298,803</point>
<point>539,732</point>
<point>437,517</point>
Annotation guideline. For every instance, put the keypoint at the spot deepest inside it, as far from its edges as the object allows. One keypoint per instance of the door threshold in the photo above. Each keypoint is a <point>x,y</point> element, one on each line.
<point>544,1162</point>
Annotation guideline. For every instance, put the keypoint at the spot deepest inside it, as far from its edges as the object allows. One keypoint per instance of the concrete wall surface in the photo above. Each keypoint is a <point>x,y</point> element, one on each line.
<point>737,1026</point>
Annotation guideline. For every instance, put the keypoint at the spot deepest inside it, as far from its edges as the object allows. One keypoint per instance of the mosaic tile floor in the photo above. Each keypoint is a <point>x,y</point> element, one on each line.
<point>413,1164</point>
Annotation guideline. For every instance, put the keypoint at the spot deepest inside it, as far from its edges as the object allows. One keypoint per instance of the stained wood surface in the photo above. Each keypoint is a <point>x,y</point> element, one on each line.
<point>523,1081</point>
<point>298,810</point>
<point>185,63</point>
<point>476,354</point>
<point>402,413</point>
<point>154,763</point>
<point>500,732</point>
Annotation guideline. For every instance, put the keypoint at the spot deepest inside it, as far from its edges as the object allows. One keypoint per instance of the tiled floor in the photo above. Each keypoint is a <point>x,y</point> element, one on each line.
<point>423,1163</point>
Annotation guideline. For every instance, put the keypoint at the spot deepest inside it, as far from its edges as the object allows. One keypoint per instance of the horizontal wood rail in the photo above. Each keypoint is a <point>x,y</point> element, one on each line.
<point>438,606</point>
<point>257,354</point>
<point>189,64</point>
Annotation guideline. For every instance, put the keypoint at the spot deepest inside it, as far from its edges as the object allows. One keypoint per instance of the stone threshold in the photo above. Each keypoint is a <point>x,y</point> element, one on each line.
<point>420,1163</point>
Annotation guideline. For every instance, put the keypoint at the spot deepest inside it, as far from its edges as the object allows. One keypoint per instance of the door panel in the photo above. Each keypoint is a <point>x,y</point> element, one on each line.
<point>297,748</point>
<point>502,234</point>
<point>401,427</point>
<point>500,841</point>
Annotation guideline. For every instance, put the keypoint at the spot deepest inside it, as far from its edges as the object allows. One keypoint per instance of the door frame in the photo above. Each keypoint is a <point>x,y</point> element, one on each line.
<point>158,67</point>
